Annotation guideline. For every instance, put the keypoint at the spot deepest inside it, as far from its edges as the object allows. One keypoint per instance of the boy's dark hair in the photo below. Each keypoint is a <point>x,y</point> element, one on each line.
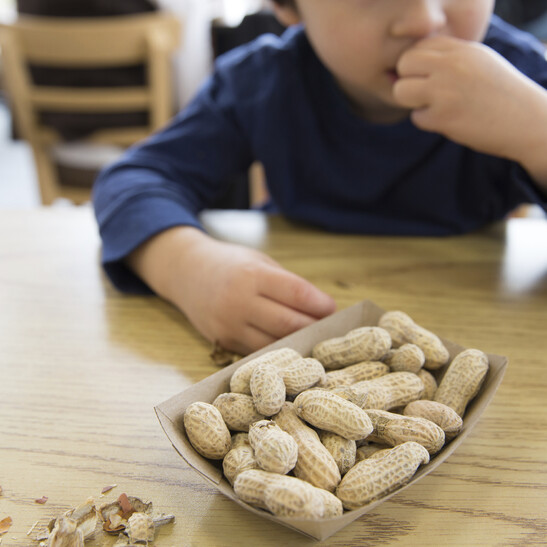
<point>290,3</point>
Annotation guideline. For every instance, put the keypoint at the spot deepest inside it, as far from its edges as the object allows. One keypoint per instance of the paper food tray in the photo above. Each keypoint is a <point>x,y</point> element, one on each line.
<point>170,413</point>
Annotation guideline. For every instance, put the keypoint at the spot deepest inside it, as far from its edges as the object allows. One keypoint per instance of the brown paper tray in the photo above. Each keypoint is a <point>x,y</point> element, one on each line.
<point>170,413</point>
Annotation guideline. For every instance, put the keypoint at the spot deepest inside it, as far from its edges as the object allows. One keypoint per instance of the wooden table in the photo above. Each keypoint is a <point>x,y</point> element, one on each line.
<point>82,366</point>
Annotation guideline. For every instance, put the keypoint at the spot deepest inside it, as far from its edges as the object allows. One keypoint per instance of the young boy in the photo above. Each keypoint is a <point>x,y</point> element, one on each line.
<point>424,117</point>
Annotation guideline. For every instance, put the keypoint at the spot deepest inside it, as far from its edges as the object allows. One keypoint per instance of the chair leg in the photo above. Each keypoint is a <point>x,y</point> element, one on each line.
<point>47,179</point>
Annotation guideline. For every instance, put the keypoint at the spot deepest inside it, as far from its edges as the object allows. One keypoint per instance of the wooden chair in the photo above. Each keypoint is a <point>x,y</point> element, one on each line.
<point>86,43</point>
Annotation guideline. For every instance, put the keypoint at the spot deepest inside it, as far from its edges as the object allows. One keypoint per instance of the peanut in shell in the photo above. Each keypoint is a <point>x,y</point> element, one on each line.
<point>371,479</point>
<point>438,413</point>
<point>403,330</point>
<point>393,429</point>
<point>462,379</point>
<point>360,344</point>
<point>315,463</point>
<point>241,378</point>
<point>206,430</point>
<point>326,410</point>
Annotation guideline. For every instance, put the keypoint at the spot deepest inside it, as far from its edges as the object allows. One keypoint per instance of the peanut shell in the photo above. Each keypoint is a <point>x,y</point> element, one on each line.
<point>371,479</point>
<point>240,458</point>
<point>442,415</point>
<point>403,329</point>
<point>393,429</point>
<point>390,391</point>
<point>274,449</point>
<point>206,430</point>
<point>408,357</point>
<point>342,450</point>
<point>366,370</point>
<point>462,379</point>
<point>268,389</point>
<point>241,378</point>
<point>315,464</point>
<point>302,374</point>
<point>238,410</point>
<point>361,344</point>
<point>326,410</point>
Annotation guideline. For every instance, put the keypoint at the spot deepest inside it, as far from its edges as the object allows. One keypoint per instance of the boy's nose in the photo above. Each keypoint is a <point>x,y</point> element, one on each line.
<point>419,19</point>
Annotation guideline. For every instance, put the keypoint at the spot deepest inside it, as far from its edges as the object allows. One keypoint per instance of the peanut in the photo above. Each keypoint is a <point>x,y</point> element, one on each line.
<point>328,411</point>
<point>302,374</point>
<point>249,486</point>
<point>294,498</point>
<point>268,389</point>
<point>462,379</point>
<point>390,391</point>
<point>368,449</point>
<point>315,464</point>
<point>342,450</point>
<point>361,344</point>
<point>239,458</point>
<point>206,430</point>
<point>394,429</point>
<point>279,494</point>
<point>371,479</point>
<point>403,330</point>
<point>333,506</point>
<point>238,410</point>
<point>274,449</point>
<point>366,370</point>
<point>408,357</point>
<point>241,378</point>
<point>358,398</point>
<point>291,497</point>
<point>286,496</point>
<point>444,416</point>
<point>430,384</point>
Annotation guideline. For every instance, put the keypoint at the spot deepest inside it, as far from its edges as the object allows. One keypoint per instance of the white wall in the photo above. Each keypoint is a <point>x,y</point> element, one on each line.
<point>194,59</point>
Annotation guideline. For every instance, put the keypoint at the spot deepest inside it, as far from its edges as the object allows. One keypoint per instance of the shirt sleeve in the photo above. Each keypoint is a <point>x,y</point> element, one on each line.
<point>531,190</point>
<point>529,56</point>
<point>169,178</point>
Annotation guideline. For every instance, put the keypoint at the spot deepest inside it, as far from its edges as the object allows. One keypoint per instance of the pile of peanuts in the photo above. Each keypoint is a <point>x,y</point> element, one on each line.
<point>307,437</point>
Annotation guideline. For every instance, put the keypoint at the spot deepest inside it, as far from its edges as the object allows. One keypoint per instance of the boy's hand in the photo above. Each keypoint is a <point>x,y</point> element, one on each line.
<point>473,96</point>
<point>233,295</point>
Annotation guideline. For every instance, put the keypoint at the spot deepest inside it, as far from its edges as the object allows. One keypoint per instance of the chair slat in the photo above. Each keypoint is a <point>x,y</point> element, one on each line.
<point>90,100</point>
<point>96,42</point>
<point>86,43</point>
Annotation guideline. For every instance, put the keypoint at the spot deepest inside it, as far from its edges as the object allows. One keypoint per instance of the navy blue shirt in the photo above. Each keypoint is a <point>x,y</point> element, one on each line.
<point>275,102</point>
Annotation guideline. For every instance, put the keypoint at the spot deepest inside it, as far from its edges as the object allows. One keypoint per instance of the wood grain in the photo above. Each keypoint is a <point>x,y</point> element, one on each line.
<point>82,366</point>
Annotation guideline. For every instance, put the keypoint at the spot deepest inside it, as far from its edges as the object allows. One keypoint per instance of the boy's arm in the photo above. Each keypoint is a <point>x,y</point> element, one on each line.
<point>233,295</point>
<point>473,96</point>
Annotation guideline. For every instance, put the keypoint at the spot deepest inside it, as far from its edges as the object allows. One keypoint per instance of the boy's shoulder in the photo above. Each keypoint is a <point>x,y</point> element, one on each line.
<point>520,48</point>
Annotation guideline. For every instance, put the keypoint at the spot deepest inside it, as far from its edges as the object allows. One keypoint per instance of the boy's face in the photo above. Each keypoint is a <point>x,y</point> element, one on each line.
<point>360,41</point>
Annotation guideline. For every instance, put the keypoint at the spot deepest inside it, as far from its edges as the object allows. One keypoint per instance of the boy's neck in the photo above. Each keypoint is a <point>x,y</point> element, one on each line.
<point>372,110</point>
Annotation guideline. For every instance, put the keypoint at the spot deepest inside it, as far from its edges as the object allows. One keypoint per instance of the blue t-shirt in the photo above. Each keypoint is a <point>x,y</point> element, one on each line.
<point>275,102</point>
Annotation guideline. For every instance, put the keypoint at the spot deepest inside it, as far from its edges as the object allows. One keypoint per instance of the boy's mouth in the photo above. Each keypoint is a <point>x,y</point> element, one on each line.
<point>392,75</point>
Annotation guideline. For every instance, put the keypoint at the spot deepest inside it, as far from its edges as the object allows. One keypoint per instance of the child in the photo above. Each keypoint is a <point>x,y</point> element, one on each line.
<point>422,117</point>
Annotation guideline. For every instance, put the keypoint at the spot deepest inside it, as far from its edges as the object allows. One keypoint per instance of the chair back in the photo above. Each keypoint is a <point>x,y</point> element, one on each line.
<point>73,43</point>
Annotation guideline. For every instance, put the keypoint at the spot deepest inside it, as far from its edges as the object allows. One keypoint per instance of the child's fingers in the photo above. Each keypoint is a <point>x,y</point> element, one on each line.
<point>277,319</point>
<point>249,339</point>
<point>295,292</point>
<point>424,118</point>
<point>439,43</point>
<point>412,93</point>
<point>418,62</point>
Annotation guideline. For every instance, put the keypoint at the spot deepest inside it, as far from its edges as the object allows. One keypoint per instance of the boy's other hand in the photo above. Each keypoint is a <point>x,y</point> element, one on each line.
<point>473,96</point>
<point>237,296</point>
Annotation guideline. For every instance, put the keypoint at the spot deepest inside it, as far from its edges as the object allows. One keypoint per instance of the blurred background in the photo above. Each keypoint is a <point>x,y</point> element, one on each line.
<point>206,29</point>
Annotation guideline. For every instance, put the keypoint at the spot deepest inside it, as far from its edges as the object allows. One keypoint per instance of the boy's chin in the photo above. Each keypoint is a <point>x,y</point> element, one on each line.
<point>385,113</point>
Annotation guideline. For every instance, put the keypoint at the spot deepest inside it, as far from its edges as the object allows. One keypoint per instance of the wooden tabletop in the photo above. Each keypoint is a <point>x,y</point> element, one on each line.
<point>82,366</point>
